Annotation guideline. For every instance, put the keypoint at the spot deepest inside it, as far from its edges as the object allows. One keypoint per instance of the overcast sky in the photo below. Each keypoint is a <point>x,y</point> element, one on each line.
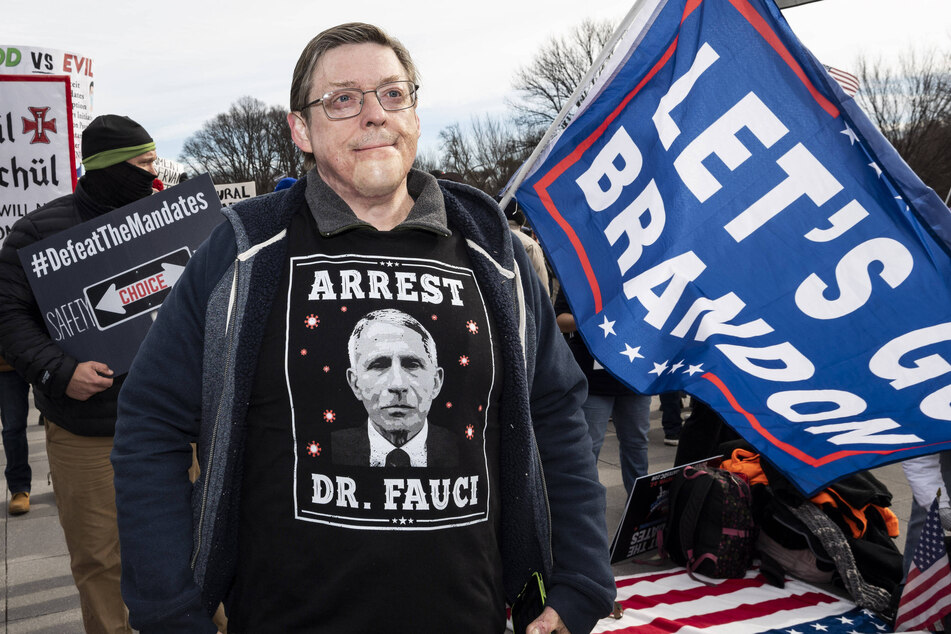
<point>176,64</point>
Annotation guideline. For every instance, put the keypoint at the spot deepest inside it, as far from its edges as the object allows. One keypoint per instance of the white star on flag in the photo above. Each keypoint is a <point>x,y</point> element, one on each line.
<point>659,368</point>
<point>607,327</point>
<point>849,133</point>
<point>926,597</point>
<point>676,366</point>
<point>694,369</point>
<point>878,170</point>
<point>632,353</point>
<point>845,621</point>
<point>819,627</point>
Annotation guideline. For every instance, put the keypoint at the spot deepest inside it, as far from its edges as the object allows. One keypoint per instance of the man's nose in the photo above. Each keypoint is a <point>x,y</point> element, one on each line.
<point>373,112</point>
<point>395,380</point>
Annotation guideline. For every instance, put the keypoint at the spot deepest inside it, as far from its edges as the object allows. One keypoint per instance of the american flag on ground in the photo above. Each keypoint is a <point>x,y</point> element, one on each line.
<point>926,598</point>
<point>848,81</point>
<point>670,601</point>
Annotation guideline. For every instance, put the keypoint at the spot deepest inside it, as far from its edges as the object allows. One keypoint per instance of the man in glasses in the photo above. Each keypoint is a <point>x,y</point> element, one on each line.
<point>249,355</point>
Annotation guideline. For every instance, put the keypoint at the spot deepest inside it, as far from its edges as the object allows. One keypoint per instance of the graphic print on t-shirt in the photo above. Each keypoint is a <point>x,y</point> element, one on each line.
<point>389,367</point>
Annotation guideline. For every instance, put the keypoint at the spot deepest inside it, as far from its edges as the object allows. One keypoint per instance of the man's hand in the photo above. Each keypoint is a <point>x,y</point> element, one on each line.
<point>548,622</point>
<point>89,378</point>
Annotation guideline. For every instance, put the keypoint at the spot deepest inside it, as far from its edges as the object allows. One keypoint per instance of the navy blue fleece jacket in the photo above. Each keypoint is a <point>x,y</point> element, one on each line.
<point>193,375</point>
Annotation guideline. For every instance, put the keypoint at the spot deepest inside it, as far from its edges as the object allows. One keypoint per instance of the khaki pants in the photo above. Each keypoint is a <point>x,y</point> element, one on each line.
<point>86,499</point>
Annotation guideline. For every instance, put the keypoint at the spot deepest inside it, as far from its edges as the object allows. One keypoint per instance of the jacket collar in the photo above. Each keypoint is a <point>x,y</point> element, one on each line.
<point>334,216</point>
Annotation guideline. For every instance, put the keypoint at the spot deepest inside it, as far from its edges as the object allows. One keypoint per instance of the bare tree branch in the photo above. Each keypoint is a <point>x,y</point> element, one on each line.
<point>911,105</point>
<point>487,152</point>
<point>250,141</point>
<point>546,84</point>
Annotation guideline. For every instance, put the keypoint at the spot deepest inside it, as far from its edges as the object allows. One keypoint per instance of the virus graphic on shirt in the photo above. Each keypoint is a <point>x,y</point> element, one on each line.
<point>326,369</point>
<point>448,404</point>
<point>313,448</point>
<point>480,408</point>
<point>312,321</point>
<point>329,416</point>
<point>472,327</point>
<point>433,317</point>
<point>470,432</point>
<point>463,360</point>
<point>303,352</point>
<point>343,309</point>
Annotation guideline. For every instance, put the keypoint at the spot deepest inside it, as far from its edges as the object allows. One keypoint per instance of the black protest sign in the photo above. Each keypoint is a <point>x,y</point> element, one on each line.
<point>646,511</point>
<point>98,284</point>
<point>138,290</point>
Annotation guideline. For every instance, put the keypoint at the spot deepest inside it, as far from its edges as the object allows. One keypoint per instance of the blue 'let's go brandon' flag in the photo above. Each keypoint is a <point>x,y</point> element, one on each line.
<point>726,221</point>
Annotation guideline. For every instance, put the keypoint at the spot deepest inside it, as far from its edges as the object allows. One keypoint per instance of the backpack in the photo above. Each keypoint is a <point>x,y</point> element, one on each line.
<point>710,527</point>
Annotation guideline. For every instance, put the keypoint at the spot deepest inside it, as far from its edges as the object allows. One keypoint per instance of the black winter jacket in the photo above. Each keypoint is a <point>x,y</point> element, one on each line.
<point>24,338</point>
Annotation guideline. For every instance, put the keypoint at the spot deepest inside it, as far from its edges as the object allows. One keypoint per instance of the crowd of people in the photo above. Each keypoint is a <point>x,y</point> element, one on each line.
<point>405,448</point>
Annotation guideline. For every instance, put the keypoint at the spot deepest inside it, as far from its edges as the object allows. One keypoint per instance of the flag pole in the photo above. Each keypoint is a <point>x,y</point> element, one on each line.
<point>571,101</point>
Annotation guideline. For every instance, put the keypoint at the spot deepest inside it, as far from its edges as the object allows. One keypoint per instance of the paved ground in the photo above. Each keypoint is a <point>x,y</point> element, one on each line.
<point>37,589</point>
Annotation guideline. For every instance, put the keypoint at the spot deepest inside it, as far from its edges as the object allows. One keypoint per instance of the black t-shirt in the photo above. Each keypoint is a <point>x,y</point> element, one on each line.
<point>327,542</point>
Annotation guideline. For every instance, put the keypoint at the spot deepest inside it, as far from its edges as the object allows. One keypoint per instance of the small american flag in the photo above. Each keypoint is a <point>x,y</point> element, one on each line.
<point>848,81</point>
<point>670,601</point>
<point>926,598</point>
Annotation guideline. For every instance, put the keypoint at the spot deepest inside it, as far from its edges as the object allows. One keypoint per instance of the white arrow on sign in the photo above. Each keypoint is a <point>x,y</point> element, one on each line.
<point>112,300</point>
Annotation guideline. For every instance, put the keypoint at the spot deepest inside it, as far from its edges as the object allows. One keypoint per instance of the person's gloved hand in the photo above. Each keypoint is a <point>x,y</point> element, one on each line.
<point>945,515</point>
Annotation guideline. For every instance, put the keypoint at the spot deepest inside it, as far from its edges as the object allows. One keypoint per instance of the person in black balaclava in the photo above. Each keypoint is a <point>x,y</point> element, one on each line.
<point>77,398</point>
<point>118,155</point>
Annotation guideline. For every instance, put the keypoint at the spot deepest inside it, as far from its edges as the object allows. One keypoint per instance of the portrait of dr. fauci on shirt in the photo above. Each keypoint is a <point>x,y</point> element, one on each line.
<point>394,372</point>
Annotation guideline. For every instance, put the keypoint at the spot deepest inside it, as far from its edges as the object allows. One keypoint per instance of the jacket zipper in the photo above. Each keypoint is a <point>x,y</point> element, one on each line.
<point>214,431</point>
<point>519,300</point>
<point>520,310</point>
<point>541,471</point>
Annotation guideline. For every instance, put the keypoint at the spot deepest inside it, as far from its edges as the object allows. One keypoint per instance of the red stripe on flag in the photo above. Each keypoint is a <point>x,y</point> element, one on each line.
<point>785,446</point>
<point>689,8</point>
<point>756,610</point>
<point>758,23</point>
<point>552,175</point>
<point>738,614</point>
<point>542,185</point>
<point>669,597</point>
<point>934,581</point>
<point>848,81</point>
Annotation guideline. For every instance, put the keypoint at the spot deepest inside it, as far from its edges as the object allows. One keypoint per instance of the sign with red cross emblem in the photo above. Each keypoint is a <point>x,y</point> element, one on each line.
<point>37,163</point>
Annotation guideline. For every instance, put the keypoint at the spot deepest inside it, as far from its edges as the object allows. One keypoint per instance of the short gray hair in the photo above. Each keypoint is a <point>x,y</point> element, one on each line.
<point>396,318</point>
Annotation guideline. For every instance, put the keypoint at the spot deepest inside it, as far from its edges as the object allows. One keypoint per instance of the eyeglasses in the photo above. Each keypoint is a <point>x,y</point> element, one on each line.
<point>347,103</point>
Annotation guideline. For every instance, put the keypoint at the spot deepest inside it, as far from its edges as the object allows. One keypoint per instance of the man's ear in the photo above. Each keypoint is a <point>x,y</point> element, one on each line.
<point>352,381</point>
<point>299,131</point>
<point>440,374</point>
